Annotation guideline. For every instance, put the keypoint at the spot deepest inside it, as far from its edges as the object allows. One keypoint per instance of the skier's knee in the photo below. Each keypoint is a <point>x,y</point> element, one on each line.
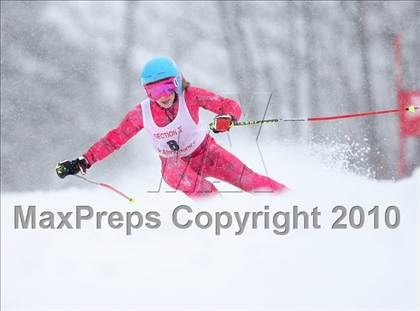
<point>256,182</point>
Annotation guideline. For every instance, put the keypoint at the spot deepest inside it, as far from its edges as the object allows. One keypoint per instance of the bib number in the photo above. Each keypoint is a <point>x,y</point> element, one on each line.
<point>173,145</point>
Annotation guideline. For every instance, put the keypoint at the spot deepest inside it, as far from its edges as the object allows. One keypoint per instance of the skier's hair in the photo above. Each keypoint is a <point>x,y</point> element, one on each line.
<point>185,84</point>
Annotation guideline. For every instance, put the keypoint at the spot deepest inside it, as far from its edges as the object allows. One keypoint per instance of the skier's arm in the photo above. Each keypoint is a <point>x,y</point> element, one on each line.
<point>216,103</point>
<point>129,126</point>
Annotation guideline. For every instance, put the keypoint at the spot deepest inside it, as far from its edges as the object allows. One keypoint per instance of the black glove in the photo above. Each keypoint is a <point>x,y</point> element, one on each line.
<point>67,167</point>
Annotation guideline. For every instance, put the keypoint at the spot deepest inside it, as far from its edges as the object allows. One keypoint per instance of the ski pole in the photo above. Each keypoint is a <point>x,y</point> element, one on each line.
<point>253,122</point>
<point>364,114</point>
<point>328,118</point>
<point>131,200</point>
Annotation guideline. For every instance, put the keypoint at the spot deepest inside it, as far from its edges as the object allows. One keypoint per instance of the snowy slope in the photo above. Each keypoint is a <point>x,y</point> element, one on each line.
<point>169,268</point>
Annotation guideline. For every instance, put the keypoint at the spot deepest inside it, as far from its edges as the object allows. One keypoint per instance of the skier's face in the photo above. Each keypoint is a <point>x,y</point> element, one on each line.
<point>166,101</point>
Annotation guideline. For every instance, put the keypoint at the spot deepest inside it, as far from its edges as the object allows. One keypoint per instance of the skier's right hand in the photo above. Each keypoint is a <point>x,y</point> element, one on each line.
<point>73,167</point>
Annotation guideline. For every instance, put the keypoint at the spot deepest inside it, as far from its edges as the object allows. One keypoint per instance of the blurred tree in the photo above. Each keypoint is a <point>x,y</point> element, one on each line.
<point>366,78</point>
<point>311,65</point>
<point>45,83</point>
<point>294,71</point>
<point>235,42</point>
<point>125,65</point>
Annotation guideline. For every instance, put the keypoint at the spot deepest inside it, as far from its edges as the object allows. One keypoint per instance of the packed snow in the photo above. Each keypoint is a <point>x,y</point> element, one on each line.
<point>169,268</point>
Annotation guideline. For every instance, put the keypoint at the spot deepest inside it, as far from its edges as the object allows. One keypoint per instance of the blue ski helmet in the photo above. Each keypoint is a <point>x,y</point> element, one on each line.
<point>159,68</point>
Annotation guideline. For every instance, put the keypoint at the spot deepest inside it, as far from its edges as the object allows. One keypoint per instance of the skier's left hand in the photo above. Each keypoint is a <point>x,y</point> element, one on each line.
<point>222,123</point>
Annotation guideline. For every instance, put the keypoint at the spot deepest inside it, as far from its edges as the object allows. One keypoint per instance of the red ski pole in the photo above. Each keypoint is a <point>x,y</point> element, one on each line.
<point>131,200</point>
<point>362,114</point>
<point>328,118</point>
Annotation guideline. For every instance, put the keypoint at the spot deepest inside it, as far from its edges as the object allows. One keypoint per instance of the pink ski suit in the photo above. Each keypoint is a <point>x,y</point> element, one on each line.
<point>188,173</point>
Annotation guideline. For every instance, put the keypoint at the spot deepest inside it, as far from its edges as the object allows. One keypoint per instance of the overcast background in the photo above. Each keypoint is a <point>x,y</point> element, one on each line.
<point>70,71</point>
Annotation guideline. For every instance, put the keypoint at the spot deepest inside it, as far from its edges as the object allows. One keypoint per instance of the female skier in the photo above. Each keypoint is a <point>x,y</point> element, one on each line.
<point>171,119</point>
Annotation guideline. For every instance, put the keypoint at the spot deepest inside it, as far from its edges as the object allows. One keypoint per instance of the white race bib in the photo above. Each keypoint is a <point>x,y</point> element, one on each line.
<point>180,137</point>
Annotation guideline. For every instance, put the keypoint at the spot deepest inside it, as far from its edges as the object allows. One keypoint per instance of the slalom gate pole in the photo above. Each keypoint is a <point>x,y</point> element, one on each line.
<point>314,119</point>
<point>131,200</point>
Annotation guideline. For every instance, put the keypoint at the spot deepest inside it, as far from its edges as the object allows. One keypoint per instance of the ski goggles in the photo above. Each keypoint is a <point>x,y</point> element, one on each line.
<point>161,88</point>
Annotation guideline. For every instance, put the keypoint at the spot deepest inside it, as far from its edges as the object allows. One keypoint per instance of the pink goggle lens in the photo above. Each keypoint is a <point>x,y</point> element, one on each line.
<point>160,89</point>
